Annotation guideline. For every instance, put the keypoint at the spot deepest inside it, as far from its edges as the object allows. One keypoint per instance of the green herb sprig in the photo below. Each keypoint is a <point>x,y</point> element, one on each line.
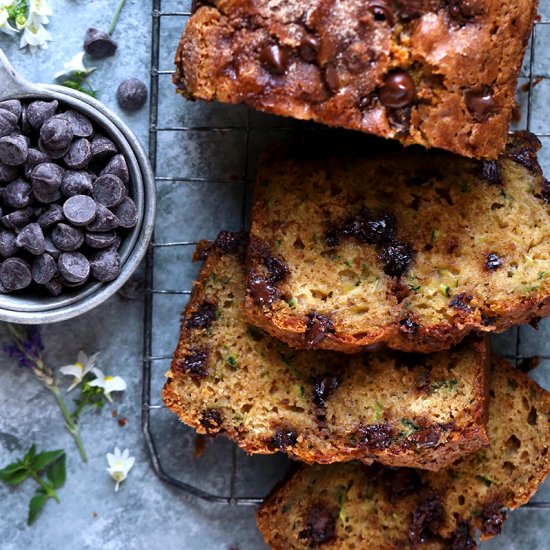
<point>47,469</point>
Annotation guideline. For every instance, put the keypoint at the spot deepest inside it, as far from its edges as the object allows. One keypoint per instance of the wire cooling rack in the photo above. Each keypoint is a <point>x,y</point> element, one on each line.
<point>220,145</point>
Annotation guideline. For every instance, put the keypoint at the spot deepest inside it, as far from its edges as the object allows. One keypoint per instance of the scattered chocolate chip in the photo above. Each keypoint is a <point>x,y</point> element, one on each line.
<point>397,91</point>
<point>76,183</point>
<point>490,172</point>
<point>8,122</point>
<point>194,364</point>
<point>80,123</point>
<point>331,78</point>
<point>397,258</point>
<point>324,388</point>
<point>382,11</point>
<point>132,94</point>
<point>99,44</point>
<point>481,104</point>
<point>309,48</point>
<point>211,420</point>
<point>31,238</point>
<point>462,301</point>
<point>493,261</point>
<point>426,519</point>
<point>38,112</point>
<point>8,246</point>
<point>492,518</point>
<point>318,328</point>
<point>79,155</point>
<point>117,167</point>
<point>461,538</point>
<point>74,267</point>
<point>80,209</point>
<point>13,150</point>
<point>106,265</point>
<point>274,58</point>
<point>44,269</point>
<point>320,526</point>
<point>15,274</point>
<point>17,194</point>
<point>375,436</point>
<point>203,316</point>
<point>52,215</point>
<point>67,238</point>
<point>126,212</point>
<point>283,438</point>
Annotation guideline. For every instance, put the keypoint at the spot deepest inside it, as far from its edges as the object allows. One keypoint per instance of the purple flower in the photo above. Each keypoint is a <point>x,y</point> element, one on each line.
<point>27,347</point>
<point>13,351</point>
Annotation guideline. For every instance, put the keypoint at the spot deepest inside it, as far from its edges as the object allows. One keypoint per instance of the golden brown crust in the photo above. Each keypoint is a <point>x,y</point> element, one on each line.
<point>323,221</point>
<point>349,505</point>
<point>231,379</point>
<point>331,62</point>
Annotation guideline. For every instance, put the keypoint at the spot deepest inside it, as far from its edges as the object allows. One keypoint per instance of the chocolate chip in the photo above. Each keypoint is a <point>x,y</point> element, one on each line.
<point>109,190</point>
<point>126,212</point>
<point>371,229</point>
<point>283,438</point>
<point>34,158</point>
<point>52,215</point>
<point>464,11</point>
<point>79,155</point>
<point>8,247</point>
<point>105,220</point>
<point>99,44</point>
<point>320,526</point>
<point>211,420</point>
<point>331,78</point>
<point>17,194</point>
<point>397,91</point>
<point>203,316</point>
<point>131,94</point>
<point>493,261</point>
<point>117,167</point>
<point>74,267</point>
<point>397,258</point>
<point>368,102</point>
<point>274,58</point>
<point>492,518</point>
<point>15,274</point>
<point>324,388</point>
<point>18,219</point>
<point>66,237</point>
<point>461,538</point>
<point>462,301</point>
<point>56,135</point>
<point>80,209</point>
<point>426,519</point>
<point>481,104</point>
<point>55,286</point>
<point>8,122</point>
<point>80,123</point>
<point>44,269</point>
<point>490,172</point>
<point>13,150</point>
<point>76,183</point>
<point>408,326</point>
<point>7,173</point>
<point>38,112</point>
<point>263,292</point>
<point>12,105</point>
<point>309,48</point>
<point>382,11</point>
<point>31,238</point>
<point>194,364</point>
<point>100,240</point>
<point>318,328</point>
<point>46,178</point>
<point>102,147</point>
<point>229,242</point>
<point>376,436</point>
<point>50,248</point>
<point>426,438</point>
<point>106,265</point>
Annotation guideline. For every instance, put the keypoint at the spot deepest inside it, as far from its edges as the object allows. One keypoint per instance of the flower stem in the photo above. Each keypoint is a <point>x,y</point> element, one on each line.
<point>116,15</point>
<point>71,426</point>
<point>48,490</point>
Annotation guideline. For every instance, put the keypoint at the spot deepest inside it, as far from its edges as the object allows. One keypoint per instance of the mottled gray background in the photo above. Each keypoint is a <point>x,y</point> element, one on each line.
<point>146,513</point>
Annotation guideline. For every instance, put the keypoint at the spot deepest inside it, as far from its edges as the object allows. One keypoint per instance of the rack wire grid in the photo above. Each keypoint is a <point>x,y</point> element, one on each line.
<point>203,156</point>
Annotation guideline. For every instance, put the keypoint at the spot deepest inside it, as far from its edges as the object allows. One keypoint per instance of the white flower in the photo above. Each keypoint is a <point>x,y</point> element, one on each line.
<point>74,65</point>
<point>80,369</point>
<point>5,27</point>
<point>35,34</point>
<point>41,9</point>
<point>119,465</point>
<point>108,383</point>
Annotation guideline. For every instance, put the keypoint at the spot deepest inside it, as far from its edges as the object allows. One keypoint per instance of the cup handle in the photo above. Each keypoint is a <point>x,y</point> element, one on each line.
<point>12,84</point>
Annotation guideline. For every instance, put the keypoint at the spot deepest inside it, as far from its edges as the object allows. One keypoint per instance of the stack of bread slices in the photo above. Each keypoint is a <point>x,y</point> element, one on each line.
<point>349,327</point>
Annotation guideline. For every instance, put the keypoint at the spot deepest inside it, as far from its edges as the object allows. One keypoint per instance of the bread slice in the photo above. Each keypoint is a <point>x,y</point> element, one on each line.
<point>440,73</point>
<point>403,410</point>
<point>407,249</point>
<point>346,506</point>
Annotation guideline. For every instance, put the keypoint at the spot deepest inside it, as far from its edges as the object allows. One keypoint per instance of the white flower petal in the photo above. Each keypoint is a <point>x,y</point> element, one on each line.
<point>114,383</point>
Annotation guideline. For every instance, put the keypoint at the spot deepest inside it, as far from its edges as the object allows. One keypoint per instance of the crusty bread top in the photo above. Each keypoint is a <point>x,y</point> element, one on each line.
<point>227,377</point>
<point>346,506</point>
<point>434,72</point>
<point>403,248</point>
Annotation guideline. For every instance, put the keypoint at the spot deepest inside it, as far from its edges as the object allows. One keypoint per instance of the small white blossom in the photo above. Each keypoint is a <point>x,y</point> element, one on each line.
<point>5,27</point>
<point>80,369</point>
<point>35,34</point>
<point>41,9</point>
<point>108,383</point>
<point>74,65</point>
<point>119,465</point>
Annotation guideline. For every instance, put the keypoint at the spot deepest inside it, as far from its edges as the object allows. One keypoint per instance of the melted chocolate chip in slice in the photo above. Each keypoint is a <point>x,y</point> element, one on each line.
<point>309,48</point>
<point>397,91</point>
<point>274,58</point>
<point>481,104</point>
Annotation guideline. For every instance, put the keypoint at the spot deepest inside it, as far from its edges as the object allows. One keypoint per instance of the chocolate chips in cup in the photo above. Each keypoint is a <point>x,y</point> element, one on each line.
<point>64,202</point>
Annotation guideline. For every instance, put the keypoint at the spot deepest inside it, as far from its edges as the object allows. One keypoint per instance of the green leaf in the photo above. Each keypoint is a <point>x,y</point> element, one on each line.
<point>44,459</point>
<point>36,506</point>
<point>31,453</point>
<point>14,477</point>
<point>57,473</point>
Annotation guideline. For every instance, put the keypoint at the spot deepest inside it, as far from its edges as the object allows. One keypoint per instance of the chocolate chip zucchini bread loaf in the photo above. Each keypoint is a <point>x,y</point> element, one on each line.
<point>408,249</point>
<point>345,506</point>
<point>440,73</point>
<point>228,377</point>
